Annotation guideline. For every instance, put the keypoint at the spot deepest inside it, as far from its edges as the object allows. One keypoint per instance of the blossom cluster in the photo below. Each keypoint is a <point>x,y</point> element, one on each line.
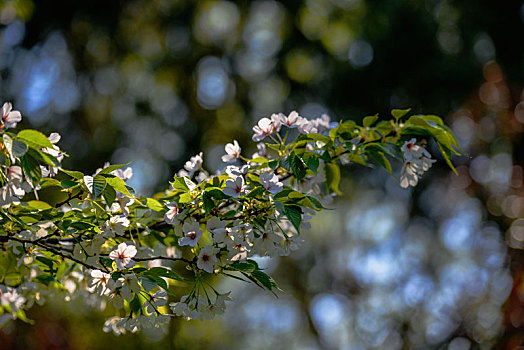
<point>91,237</point>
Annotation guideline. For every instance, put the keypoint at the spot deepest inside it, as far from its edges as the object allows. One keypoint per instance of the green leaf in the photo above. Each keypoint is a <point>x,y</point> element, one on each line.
<point>19,148</point>
<point>256,192</point>
<point>311,161</point>
<point>163,272</point>
<point>216,192</point>
<point>185,198</point>
<point>135,305</point>
<point>284,193</point>
<point>111,168</point>
<point>34,138</point>
<point>259,160</point>
<point>49,182</point>
<point>8,143</point>
<point>316,202</point>
<point>399,113</point>
<point>109,195</point>
<point>159,281</point>
<point>44,157</point>
<point>39,205</point>
<point>99,185</point>
<point>433,118</point>
<point>376,152</point>
<point>243,266</point>
<point>155,205</point>
<point>180,184</point>
<point>107,262</point>
<point>74,174</point>
<point>384,127</point>
<point>67,184</point>
<point>314,137</point>
<point>368,121</point>
<point>83,225</point>
<point>230,214</point>
<point>264,279</point>
<point>447,157</point>
<point>209,204</point>
<point>48,262</point>
<point>332,171</point>
<point>325,156</point>
<point>31,168</point>
<point>119,185</point>
<point>20,314</point>
<point>297,166</point>
<point>294,214</point>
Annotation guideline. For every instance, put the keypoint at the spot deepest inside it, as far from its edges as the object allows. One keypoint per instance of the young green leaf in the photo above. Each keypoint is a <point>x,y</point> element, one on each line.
<point>111,168</point>
<point>368,121</point>
<point>34,138</point>
<point>332,177</point>
<point>399,113</point>
<point>294,214</point>
<point>19,148</point>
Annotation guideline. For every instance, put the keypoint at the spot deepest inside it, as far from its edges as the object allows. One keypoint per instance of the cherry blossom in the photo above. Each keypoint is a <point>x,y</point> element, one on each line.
<point>116,225</point>
<point>233,152</point>
<point>123,255</point>
<point>408,175</point>
<point>235,187</point>
<point>171,215</point>
<point>293,120</point>
<point>157,300</point>
<point>192,234</point>
<point>192,165</point>
<point>9,117</point>
<point>264,127</point>
<point>100,280</point>
<point>271,183</point>
<point>413,151</point>
<point>207,258</point>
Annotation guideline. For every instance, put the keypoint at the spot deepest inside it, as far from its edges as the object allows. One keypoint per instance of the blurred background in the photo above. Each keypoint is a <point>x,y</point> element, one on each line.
<point>156,81</point>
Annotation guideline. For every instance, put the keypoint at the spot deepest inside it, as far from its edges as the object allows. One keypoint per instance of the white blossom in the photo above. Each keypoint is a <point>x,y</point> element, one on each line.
<point>192,165</point>
<point>112,324</point>
<point>235,187</point>
<point>271,183</point>
<point>170,216</point>
<point>9,117</point>
<point>123,255</point>
<point>129,286</point>
<point>99,281</point>
<point>10,297</point>
<point>322,123</point>
<point>293,120</point>
<point>207,259</point>
<point>124,174</point>
<point>157,300</point>
<point>116,225</point>
<point>307,127</point>
<point>262,152</point>
<point>15,188</point>
<point>215,225</point>
<point>233,152</point>
<point>414,151</point>
<point>408,175</point>
<point>417,162</point>
<point>264,127</point>
<point>234,171</point>
<point>192,234</point>
<point>122,203</point>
